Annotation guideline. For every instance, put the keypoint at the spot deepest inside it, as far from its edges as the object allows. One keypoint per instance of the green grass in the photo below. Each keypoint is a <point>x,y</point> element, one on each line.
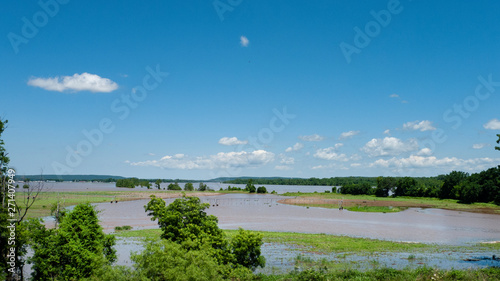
<point>376,209</point>
<point>449,204</point>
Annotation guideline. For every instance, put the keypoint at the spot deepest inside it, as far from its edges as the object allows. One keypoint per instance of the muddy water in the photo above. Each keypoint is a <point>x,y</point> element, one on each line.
<point>262,212</point>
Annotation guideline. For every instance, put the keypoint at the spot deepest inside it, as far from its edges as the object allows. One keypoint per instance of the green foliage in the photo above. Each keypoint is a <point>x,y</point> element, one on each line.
<point>185,222</point>
<point>129,182</point>
<point>261,189</point>
<point>189,186</point>
<point>234,188</point>
<point>384,185</point>
<point>250,187</point>
<point>202,187</point>
<point>157,184</point>
<point>450,181</point>
<point>480,187</point>
<point>75,250</point>
<point>246,249</point>
<point>406,187</point>
<point>174,186</point>
<point>356,189</point>
<point>334,189</point>
<point>498,141</point>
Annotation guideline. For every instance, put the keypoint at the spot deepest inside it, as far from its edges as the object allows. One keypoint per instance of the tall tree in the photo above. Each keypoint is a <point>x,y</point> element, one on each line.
<point>73,251</point>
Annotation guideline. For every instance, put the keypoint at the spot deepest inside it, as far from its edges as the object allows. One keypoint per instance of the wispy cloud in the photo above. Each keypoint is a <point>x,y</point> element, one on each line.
<point>493,124</point>
<point>480,145</point>
<point>77,82</point>
<point>422,126</point>
<point>231,141</point>
<point>349,134</point>
<point>244,41</point>
<point>394,96</point>
<point>314,137</point>
<point>296,147</point>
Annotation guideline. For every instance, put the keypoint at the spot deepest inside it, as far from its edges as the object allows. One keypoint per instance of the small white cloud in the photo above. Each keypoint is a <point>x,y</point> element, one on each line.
<point>424,152</point>
<point>296,147</point>
<point>387,132</point>
<point>287,160</point>
<point>422,126</point>
<point>331,154</point>
<point>355,165</point>
<point>76,83</point>
<point>151,154</point>
<point>389,146</point>
<point>349,134</point>
<point>231,141</point>
<point>244,41</point>
<point>314,137</point>
<point>493,124</point>
<point>480,145</point>
<point>395,96</point>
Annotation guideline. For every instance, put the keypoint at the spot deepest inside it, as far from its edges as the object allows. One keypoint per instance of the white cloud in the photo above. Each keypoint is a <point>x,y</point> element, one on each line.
<point>355,165</point>
<point>480,145</point>
<point>221,160</point>
<point>244,41</point>
<point>415,161</point>
<point>76,83</point>
<point>493,124</point>
<point>394,96</point>
<point>349,134</point>
<point>231,141</point>
<point>287,160</point>
<point>422,126</point>
<point>314,137</point>
<point>389,146</point>
<point>296,147</point>
<point>387,132</point>
<point>425,152</point>
<point>330,153</point>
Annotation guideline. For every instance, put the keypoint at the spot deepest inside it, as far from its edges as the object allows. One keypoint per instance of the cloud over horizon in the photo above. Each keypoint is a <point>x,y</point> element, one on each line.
<point>221,160</point>
<point>78,82</point>
<point>422,126</point>
<point>231,141</point>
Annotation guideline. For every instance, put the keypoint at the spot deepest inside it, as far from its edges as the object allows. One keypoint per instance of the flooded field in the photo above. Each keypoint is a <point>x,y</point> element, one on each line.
<point>263,212</point>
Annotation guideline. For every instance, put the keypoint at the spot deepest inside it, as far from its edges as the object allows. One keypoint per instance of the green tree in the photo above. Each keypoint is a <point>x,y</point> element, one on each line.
<point>189,186</point>
<point>185,222</point>
<point>405,187</point>
<point>73,251</point>
<point>498,141</point>
<point>250,187</point>
<point>158,183</point>
<point>202,187</point>
<point>261,189</point>
<point>246,249</point>
<point>384,185</point>
<point>451,180</point>
<point>174,186</point>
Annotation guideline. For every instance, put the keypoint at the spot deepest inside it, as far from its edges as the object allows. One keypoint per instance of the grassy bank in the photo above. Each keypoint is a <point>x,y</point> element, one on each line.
<point>357,202</point>
<point>45,200</point>
<point>325,243</point>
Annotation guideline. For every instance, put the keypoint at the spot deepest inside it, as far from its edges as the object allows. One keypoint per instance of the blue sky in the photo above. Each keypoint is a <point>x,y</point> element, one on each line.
<point>176,89</point>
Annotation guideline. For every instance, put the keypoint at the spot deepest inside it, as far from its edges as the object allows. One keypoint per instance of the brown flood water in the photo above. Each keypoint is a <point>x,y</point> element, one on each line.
<point>262,212</point>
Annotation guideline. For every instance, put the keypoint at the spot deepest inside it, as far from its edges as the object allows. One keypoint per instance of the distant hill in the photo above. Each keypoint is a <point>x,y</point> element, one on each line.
<point>68,177</point>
